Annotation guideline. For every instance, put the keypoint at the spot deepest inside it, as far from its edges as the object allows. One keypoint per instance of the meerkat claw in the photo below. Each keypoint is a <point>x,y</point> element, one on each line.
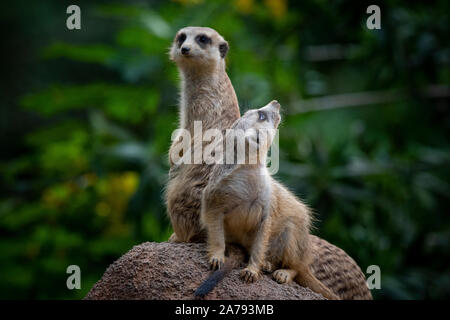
<point>173,238</point>
<point>281,276</point>
<point>216,263</point>
<point>248,275</point>
<point>267,267</point>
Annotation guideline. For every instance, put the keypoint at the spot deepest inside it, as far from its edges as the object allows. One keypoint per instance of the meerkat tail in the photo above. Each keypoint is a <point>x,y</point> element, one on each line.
<point>305,278</point>
<point>213,280</point>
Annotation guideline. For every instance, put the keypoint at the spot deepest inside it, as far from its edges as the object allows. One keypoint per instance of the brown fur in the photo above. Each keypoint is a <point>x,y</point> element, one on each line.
<point>207,95</point>
<point>243,204</point>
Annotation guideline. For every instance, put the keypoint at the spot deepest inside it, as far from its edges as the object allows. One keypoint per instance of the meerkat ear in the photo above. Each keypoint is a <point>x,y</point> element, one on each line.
<point>223,49</point>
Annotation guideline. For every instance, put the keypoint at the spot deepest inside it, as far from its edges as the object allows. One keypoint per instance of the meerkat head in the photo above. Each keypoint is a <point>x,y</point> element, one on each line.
<point>267,117</point>
<point>260,125</point>
<point>198,49</point>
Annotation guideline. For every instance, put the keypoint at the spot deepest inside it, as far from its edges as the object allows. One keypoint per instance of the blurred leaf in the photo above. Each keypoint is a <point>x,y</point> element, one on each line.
<point>98,53</point>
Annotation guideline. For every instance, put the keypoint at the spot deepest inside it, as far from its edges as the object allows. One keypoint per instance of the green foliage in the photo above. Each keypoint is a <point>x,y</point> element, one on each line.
<point>92,117</point>
<point>141,102</point>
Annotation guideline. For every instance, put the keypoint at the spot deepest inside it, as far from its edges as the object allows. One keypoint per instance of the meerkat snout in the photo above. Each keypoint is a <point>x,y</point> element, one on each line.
<point>185,50</point>
<point>275,104</point>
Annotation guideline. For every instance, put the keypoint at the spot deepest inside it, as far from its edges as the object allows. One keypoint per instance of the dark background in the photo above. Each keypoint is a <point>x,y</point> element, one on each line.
<point>86,118</point>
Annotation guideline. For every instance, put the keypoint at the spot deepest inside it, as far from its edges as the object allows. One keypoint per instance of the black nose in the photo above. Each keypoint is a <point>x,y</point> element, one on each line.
<point>185,50</point>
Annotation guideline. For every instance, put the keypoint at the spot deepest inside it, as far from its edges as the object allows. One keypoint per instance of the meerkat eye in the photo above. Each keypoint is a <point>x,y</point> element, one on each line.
<point>262,116</point>
<point>202,39</point>
<point>181,38</point>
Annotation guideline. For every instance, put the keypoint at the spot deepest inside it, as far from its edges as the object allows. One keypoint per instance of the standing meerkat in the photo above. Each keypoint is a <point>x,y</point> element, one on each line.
<point>243,204</point>
<point>207,95</point>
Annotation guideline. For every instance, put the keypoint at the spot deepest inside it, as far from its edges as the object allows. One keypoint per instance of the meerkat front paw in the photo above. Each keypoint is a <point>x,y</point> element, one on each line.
<point>283,275</point>
<point>216,262</point>
<point>267,267</point>
<point>173,238</point>
<point>249,275</point>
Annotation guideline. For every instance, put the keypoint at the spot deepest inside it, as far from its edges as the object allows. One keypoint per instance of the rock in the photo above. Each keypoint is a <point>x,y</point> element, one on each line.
<point>175,270</point>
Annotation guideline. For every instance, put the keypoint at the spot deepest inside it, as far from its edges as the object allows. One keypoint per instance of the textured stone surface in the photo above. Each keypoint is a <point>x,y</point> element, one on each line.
<point>174,270</point>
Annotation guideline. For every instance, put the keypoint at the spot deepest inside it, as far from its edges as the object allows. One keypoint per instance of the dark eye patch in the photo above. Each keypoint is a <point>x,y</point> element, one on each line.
<point>180,39</point>
<point>203,40</point>
<point>262,116</point>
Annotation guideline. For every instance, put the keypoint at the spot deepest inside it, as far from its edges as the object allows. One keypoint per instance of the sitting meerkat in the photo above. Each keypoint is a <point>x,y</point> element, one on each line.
<point>243,204</point>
